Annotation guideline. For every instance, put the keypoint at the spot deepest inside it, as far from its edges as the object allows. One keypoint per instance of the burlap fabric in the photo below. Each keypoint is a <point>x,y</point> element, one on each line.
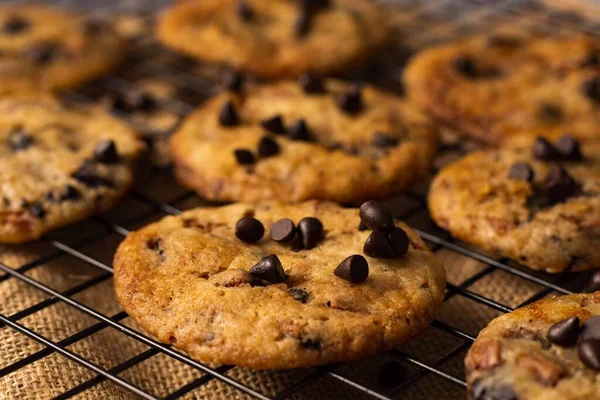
<point>51,375</point>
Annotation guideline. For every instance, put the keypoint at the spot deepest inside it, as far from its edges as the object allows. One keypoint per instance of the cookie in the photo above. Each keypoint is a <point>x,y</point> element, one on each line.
<point>547,350</point>
<point>289,141</point>
<point>275,38</point>
<point>538,205</point>
<point>42,48</point>
<point>273,286</point>
<point>59,165</point>
<point>506,85</point>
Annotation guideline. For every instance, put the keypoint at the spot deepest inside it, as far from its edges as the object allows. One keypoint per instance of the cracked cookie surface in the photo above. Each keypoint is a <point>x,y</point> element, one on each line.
<point>51,175</point>
<point>511,85</point>
<point>513,359</point>
<point>385,142</point>
<point>42,48</point>
<point>477,201</point>
<point>185,279</point>
<point>275,38</point>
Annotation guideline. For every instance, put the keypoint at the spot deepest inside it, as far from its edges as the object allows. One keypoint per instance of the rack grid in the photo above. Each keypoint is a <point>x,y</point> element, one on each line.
<point>179,85</point>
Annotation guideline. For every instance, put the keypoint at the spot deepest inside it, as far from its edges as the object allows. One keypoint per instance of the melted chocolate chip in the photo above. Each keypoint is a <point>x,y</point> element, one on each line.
<point>44,53</point>
<point>391,374</point>
<point>87,174</point>
<point>274,125</point>
<point>591,88</point>
<point>37,210</point>
<point>544,150</point>
<point>521,171</point>
<point>466,66</point>
<point>481,392</point>
<point>311,83</point>
<point>376,217</point>
<point>233,80</point>
<point>302,24</point>
<point>559,185</point>
<point>564,333</point>
<point>351,101</point>
<point>269,269</point>
<point>378,245</point>
<point>228,115</point>
<point>20,140</point>
<point>133,100</point>
<point>71,193</point>
<point>244,157</point>
<point>354,269</point>
<point>591,328</point>
<point>299,131</point>
<point>550,112</point>
<point>589,353</point>
<point>311,344</point>
<point>383,140</point>
<point>244,11</point>
<point>15,25</point>
<point>249,230</point>
<point>283,231</point>
<point>594,283</point>
<point>106,152</point>
<point>399,241</point>
<point>310,232</point>
<point>299,294</point>
<point>267,147</point>
<point>569,149</point>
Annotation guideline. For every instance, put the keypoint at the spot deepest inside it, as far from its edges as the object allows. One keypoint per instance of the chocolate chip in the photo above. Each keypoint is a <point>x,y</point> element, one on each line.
<point>310,232</point>
<point>43,53</point>
<point>267,147</point>
<point>569,149</point>
<point>594,283</point>
<point>233,80</point>
<point>132,101</point>
<point>244,11</point>
<point>591,60</point>
<point>550,112</point>
<point>302,24</point>
<point>591,88</point>
<point>37,210</point>
<point>559,185</point>
<point>244,157</point>
<point>283,231</point>
<point>228,115</point>
<point>87,174</point>
<point>589,353</point>
<point>354,269</point>
<point>299,131</point>
<point>269,269</point>
<point>376,217</point>
<point>391,374</point>
<point>249,230</point>
<point>106,152</point>
<point>383,140</point>
<point>564,333</point>
<point>351,101</point>
<point>274,125</point>
<point>94,26</point>
<point>71,193</point>
<point>466,66</point>
<point>399,241</point>
<point>378,245</point>
<point>311,83</point>
<point>521,171</point>
<point>591,328</point>
<point>20,140</point>
<point>544,150</point>
<point>481,392</point>
<point>299,294</point>
<point>311,344</point>
<point>15,24</point>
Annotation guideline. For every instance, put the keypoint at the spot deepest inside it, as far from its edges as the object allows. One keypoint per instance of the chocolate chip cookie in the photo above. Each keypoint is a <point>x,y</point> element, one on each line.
<point>539,205</point>
<point>42,48</point>
<point>312,139</point>
<point>273,286</point>
<point>59,165</point>
<point>276,38</point>
<point>547,350</point>
<point>511,84</point>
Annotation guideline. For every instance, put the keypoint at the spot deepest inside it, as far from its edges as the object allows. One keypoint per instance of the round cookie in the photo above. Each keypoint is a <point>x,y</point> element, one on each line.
<point>385,142</point>
<point>42,48</point>
<point>59,165</point>
<point>187,280</point>
<point>275,38</point>
<point>531,212</point>
<point>517,356</point>
<point>511,84</point>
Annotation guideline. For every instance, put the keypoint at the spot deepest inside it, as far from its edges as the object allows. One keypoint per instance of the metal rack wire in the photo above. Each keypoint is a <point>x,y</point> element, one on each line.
<point>183,75</point>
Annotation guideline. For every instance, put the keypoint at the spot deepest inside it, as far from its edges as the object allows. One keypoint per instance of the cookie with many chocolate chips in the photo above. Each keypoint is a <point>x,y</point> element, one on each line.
<point>511,85</point>
<point>59,165</point>
<point>42,48</point>
<point>276,38</point>
<point>277,141</point>
<point>540,351</point>
<point>189,281</point>
<point>538,205</point>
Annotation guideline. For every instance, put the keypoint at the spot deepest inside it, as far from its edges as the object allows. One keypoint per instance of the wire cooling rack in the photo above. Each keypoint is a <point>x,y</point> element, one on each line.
<point>71,268</point>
